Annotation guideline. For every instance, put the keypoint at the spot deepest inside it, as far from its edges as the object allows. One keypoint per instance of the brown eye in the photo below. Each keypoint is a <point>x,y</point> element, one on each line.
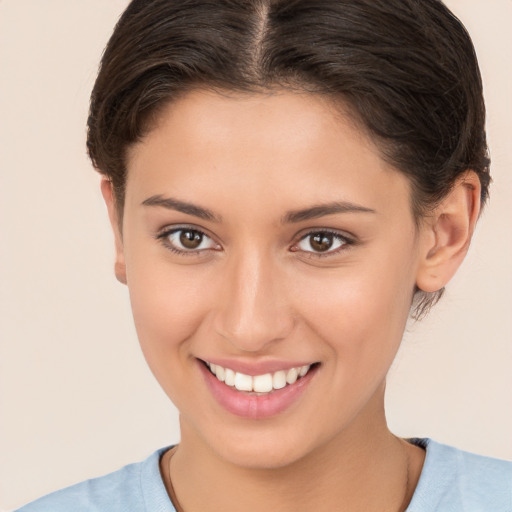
<point>190,239</point>
<point>322,242</point>
<point>185,240</point>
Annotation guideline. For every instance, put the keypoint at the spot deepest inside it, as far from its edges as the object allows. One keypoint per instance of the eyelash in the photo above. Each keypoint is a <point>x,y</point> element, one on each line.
<point>344,239</point>
<point>164,235</point>
<point>346,242</point>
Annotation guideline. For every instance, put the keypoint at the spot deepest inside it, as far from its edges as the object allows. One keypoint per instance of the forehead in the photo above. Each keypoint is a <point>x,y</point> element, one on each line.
<point>248,147</point>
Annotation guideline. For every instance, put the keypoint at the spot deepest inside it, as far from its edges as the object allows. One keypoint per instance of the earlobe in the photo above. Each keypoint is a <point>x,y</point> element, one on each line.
<point>447,233</point>
<point>108,196</point>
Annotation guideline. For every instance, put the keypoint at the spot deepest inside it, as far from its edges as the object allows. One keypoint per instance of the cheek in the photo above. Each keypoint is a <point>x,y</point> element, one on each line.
<point>168,307</point>
<point>358,318</point>
<point>359,311</point>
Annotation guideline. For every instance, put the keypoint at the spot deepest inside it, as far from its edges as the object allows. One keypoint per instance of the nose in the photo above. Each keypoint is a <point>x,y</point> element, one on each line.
<point>253,311</point>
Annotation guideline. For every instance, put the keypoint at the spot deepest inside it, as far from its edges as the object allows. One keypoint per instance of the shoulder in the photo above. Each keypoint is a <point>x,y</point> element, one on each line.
<point>453,480</point>
<point>136,487</point>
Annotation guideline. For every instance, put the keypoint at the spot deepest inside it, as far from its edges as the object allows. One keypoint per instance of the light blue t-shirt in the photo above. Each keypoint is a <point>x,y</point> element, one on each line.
<point>451,481</point>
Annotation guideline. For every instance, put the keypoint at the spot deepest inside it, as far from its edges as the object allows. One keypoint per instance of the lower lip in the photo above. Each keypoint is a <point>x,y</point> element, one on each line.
<point>252,406</point>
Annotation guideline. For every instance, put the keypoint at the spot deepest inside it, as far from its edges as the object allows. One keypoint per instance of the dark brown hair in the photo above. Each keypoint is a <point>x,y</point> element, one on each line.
<point>406,69</point>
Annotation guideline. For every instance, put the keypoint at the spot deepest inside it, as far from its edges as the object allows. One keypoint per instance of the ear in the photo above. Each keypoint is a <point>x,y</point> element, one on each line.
<point>446,234</point>
<point>108,196</point>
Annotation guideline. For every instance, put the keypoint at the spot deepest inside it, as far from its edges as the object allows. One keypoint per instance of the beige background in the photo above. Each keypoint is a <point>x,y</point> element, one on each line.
<point>75,395</point>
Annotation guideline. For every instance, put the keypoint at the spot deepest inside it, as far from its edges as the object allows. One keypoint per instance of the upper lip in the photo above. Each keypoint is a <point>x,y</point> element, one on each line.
<point>256,367</point>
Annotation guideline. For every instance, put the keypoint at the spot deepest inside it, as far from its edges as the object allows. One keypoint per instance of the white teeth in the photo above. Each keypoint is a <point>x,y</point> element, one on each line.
<point>243,382</point>
<point>304,370</point>
<point>292,375</point>
<point>220,373</point>
<point>259,383</point>
<point>229,377</point>
<point>279,380</point>
<point>262,383</point>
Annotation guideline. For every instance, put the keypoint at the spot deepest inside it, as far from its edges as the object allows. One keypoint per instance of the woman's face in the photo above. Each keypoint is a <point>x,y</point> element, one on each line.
<point>263,234</point>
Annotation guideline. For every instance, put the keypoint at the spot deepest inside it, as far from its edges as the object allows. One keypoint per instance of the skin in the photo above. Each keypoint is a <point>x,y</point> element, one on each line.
<point>257,291</point>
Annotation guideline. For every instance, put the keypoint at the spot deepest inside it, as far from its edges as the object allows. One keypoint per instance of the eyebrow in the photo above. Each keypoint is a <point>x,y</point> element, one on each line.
<point>182,206</point>
<point>290,217</point>
<point>324,209</point>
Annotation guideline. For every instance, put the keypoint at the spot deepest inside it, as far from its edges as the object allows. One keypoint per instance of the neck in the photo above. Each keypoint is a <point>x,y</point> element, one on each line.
<point>364,469</point>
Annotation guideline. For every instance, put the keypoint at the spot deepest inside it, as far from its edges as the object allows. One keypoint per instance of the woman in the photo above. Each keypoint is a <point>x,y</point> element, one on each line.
<point>285,182</point>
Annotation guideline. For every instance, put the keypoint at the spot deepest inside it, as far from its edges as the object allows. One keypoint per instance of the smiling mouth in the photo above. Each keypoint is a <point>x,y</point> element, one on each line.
<point>259,384</point>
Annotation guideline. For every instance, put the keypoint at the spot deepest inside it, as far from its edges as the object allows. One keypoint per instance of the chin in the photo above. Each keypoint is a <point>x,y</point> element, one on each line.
<point>273,449</point>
